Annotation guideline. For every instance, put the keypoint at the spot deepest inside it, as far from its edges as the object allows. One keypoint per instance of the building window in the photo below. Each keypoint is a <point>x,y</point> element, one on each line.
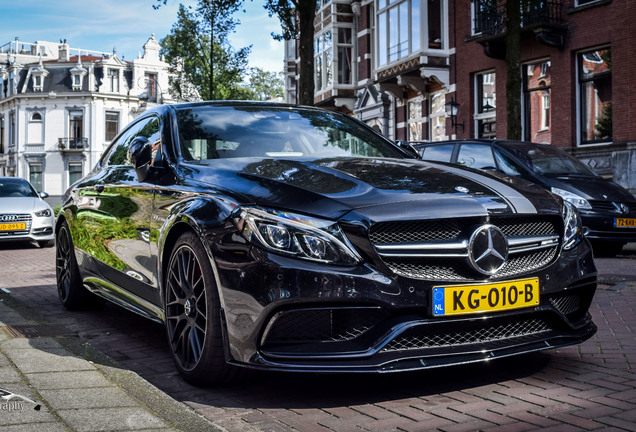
<point>414,119</point>
<point>480,11</point>
<point>435,20</point>
<point>76,129</point>
<point>74,172</point>
<point>537,81</point>
<point>399,34</point>
<point>545,111</point>
<point>113,80</point>
<point>35,129</point>
<point>485,105</point>
<point>12,129</point>
<point>151,86</point>
<point>35,176</point>
<point>595,96</point>
<point>1,134</point>
<point>112,125</point>
<point>345,46</point>
<point>323,59</point>
<point>437,117</point>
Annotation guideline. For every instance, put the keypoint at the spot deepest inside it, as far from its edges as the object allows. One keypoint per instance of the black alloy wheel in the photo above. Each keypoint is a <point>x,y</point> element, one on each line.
<point>70,289</point>
<point>192,311</point>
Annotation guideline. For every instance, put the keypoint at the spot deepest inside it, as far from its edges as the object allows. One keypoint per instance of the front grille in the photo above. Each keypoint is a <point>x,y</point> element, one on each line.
<point>443,253</point>
<point>15,218</point>
<point>322,325</point>
<point>468,332</point>
<point>405,231</point>
<point>609,206</point>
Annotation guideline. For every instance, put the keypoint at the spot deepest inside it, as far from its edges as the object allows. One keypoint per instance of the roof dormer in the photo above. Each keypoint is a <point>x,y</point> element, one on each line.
<point>77,74</point>
<point>38,74</point>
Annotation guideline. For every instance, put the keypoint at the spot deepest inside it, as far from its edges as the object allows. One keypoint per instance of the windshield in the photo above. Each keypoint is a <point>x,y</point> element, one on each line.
<point>552,161</point>
<point>11,188</point>
<point>213,132</point>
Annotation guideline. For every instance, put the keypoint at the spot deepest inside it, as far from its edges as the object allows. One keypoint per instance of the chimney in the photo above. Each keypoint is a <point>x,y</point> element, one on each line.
<point>63,51</point>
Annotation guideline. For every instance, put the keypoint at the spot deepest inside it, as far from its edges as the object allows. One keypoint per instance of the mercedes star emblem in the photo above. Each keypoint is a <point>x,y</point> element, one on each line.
<point>488,249</point>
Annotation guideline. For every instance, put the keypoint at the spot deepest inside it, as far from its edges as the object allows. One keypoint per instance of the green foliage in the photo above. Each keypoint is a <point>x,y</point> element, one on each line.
<point>198,43</point>
<point>604,122</point>
<point>265,85</point>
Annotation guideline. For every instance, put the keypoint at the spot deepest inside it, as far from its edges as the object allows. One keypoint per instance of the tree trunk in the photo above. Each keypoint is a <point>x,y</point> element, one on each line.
<point>306,12</point>
<point>513,68</point>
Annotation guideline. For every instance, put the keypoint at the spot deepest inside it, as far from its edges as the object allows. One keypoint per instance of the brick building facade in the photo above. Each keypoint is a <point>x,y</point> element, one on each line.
<point>411,59</point>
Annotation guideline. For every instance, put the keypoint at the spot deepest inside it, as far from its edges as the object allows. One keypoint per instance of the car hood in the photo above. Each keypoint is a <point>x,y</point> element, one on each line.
<point>378,189</point>
<point>21,204</point>
<point>592,188</point>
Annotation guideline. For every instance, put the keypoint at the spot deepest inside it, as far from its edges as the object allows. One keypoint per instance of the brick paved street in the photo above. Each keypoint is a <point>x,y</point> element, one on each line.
<point>591,386</point>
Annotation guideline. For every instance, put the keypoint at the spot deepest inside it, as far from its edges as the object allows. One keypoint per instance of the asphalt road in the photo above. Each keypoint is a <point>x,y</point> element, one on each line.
<point>584,387</point>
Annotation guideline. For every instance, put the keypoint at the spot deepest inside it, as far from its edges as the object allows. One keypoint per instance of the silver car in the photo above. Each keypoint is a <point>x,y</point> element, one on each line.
<point>24,215</point>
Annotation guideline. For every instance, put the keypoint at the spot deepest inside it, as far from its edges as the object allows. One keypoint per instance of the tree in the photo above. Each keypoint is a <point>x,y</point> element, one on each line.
<point>297,20</point>
<point>513,68</point>
<point>198,41</point>
<point>265,85</point>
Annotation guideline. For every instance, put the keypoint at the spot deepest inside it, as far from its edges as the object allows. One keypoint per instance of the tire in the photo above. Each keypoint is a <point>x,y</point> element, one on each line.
<point>46,243</point>
<point>70,289</point>
<point>193,315</point>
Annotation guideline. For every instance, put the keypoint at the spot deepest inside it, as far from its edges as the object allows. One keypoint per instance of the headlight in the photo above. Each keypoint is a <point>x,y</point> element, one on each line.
<point>577,200</point>
<point>296,235</point>
<point>572,221</point>
<point>43,213</point>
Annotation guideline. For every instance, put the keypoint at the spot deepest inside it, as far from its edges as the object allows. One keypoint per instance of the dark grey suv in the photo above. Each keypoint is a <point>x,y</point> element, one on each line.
<point>608,210</point>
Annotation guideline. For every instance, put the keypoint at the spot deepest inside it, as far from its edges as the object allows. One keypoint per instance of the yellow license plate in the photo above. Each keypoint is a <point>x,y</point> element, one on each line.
<point>625,222</point>
<point>471,299</point>
<point>13,226</point>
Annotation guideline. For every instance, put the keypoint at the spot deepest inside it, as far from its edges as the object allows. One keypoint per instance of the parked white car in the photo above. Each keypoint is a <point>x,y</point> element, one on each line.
<point>24,215</point>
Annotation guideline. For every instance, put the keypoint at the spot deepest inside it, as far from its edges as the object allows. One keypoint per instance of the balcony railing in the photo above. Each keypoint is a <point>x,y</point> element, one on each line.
<point>77,144</point>
<point>492,21</point>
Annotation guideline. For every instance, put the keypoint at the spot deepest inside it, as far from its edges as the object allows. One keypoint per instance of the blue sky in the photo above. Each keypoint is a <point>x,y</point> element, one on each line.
<point>127,25</point>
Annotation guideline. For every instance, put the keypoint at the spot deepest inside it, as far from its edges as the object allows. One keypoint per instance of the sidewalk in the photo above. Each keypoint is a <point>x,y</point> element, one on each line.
<point>57,383</point>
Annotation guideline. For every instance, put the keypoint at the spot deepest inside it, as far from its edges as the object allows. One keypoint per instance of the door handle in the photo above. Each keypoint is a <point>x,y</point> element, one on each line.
<point>99,188</point>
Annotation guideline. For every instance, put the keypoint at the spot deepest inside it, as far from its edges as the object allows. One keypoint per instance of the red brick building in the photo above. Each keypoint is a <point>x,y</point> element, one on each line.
<point>399,65</point>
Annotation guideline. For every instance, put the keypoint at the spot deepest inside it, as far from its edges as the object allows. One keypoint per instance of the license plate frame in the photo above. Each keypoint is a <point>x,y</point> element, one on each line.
<point>624,222</point>
<point>13,226</point>
<point>451,300</point>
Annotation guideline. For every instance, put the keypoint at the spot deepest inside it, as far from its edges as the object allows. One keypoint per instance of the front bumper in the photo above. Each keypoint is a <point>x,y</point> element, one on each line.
<point>37,229</point>
<point>283,314</point>
<point>602,228</point>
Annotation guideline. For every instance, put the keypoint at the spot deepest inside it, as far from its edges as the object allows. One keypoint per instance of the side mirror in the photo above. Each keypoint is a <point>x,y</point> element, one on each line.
<point>140,154</point>
<point>404,145</point>
<point>44,195</point>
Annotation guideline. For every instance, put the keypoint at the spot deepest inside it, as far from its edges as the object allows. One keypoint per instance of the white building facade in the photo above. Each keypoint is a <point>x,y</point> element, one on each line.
<point>60,107</point>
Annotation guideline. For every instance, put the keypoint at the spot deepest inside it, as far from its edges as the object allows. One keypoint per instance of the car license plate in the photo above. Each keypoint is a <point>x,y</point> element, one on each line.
<point>13,226</point>
<point>625,222</point>
<point>470,299</point>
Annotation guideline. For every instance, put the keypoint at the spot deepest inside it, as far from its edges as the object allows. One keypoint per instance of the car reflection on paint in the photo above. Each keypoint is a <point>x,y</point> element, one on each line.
<point>296,239</point>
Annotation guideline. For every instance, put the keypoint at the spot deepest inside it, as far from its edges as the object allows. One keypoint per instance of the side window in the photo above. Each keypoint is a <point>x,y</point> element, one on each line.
<point>438,153</point>
<point>476,156</point>
<point>149,127</point>
<point>506,164</point>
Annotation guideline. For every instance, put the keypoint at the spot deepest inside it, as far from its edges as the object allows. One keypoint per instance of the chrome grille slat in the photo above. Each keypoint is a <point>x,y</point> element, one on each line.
<point>17,217</point>
<point>532,245</point>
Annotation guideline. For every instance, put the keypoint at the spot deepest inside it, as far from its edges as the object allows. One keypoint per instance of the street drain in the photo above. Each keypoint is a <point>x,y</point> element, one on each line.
<point>36,330</point>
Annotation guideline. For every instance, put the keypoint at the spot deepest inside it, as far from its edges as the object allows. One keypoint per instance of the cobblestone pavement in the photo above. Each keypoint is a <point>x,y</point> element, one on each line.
<point>591,386</point>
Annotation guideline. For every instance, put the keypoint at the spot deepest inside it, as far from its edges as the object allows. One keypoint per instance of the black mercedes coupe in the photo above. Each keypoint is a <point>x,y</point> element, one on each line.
<point>297,239</point>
